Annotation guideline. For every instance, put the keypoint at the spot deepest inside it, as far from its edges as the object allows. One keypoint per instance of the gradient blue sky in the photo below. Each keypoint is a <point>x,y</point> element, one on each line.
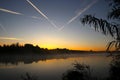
<point>21,22</point>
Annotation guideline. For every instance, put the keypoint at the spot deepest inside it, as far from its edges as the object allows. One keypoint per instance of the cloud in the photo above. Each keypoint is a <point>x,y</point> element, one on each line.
<point>40,12</point>
<point>79,13</point>
<point>9,11</point>
<point>10,38</point>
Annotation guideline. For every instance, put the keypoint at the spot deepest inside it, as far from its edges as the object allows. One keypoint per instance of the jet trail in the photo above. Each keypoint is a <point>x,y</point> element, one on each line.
<point>79,13</point>
<point>34,17</point>
<point>9,11</point>
<point>3,28</point>
<point>17,13</point>
<point>40,12</point>
<point>9,38</point>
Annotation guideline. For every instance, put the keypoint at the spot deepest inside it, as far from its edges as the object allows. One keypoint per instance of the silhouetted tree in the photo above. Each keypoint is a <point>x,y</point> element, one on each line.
<point>79,72</point>
<point>28,77</point>
<point>16,47</point>
<point>115,68</point>
<point>106,27</point>
<point>29,46</point>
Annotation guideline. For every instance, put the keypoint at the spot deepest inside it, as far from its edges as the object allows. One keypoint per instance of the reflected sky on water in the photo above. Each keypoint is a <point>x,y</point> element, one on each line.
<point>53,68</point>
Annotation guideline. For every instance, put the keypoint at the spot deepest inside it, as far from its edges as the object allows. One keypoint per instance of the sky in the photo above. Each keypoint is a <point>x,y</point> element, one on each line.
<point>52,23</point>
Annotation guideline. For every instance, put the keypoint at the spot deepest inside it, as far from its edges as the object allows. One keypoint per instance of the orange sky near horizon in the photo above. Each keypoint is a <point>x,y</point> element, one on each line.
<point>50,45</point>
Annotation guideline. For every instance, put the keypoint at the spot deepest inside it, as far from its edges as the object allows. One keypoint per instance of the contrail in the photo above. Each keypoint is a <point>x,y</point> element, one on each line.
<point>79,13</point>
<point>39,11</point>
<point>2,27</point>
<point>10,38</point>
<point>35,17</point>
<point>17,13</point>
<point>9,11</point>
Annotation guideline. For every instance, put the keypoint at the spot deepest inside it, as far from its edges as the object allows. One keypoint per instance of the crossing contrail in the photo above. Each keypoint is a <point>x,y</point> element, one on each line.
<point>40,12</point>
<point>78,14</point>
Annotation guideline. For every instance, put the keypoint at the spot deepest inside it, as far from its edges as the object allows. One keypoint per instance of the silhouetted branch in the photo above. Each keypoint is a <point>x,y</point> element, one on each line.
<point>100,25</point>
<point>114,13</point>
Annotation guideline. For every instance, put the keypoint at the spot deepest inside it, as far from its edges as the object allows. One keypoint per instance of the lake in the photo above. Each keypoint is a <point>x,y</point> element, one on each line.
<point>51,66</point>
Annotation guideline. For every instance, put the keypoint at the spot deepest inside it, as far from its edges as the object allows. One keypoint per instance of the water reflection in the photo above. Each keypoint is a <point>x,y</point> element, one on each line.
<point>51,67</point>
<point>16,59</point>
<point>83,72</point>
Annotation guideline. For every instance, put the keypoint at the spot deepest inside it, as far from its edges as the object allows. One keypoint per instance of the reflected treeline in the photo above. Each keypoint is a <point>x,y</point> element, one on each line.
<point>28,58</point>
<point>17,58</point>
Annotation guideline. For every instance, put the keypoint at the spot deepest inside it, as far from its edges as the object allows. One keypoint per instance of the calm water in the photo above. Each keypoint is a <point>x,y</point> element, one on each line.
<point>51,67</point>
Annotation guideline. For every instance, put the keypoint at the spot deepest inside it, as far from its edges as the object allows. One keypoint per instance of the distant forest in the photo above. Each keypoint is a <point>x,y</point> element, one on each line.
<point>30,48</point>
